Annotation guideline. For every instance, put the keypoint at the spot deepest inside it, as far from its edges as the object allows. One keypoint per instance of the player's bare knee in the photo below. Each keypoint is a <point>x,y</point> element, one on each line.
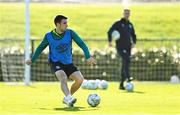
<point>63,79</point>
<point>79,80</point>
<point>82,79</point>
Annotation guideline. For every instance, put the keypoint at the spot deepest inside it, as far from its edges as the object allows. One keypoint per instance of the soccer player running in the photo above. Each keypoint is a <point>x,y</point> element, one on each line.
<point>124,44</point>
<point>59,41</point>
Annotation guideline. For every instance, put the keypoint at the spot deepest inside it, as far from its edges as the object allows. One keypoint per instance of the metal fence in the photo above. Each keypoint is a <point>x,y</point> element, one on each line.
<point>155,60</point>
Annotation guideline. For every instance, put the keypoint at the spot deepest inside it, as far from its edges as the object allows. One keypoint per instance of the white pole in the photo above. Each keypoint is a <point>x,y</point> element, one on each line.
<point>126,4</point>
<point>27,43</point>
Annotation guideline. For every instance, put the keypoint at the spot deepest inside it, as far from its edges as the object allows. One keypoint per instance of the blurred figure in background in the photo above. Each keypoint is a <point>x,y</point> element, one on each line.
<point>124,44</point>
<point>59,41</point>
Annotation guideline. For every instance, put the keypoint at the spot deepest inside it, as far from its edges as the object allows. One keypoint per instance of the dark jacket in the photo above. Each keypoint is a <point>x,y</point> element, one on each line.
<point>127,34</point>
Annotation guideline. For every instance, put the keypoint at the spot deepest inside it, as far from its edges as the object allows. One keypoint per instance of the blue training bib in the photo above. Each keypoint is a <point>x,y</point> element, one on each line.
<point>60,50</point>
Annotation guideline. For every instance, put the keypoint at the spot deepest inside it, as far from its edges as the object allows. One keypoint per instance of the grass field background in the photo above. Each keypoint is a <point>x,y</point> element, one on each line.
<point>46,98</point>
<point>90,21</point>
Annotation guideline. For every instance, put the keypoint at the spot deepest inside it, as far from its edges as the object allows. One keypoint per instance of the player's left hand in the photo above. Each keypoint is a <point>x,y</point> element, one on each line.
<point>91,61</point>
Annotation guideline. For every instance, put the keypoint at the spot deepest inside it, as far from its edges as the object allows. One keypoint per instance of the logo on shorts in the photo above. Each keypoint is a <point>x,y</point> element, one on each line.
<point>57,67</point>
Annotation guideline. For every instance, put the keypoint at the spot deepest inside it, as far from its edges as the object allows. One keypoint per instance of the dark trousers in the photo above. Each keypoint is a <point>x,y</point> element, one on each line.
<point>125,55</point>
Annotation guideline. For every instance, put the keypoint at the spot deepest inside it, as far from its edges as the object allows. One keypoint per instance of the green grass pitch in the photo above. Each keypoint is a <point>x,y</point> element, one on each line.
<point>46,98</point>
<point>155,20</point>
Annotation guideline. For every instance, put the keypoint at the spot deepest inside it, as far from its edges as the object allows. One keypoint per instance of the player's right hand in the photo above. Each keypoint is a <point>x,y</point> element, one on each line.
<point>28,62</point>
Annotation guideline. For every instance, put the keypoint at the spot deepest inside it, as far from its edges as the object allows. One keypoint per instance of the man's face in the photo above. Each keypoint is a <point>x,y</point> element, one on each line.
<point>62,25</point>
<point>126,14</point>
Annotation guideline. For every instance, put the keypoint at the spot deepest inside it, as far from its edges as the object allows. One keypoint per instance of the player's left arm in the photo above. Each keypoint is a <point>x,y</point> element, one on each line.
<point>83,46</point>
<point>133,36</point>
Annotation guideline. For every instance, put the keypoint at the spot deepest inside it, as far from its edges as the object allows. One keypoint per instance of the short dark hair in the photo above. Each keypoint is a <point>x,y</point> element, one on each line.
<point>126,10</point>
<point>58,19</point>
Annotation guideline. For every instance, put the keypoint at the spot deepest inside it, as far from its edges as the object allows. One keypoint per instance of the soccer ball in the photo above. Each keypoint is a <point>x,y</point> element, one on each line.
<point>115,35</point>
<point>175,79</point>
<point>92,85</point>
<point>84,84</point>
<point>93,100</point>
<point>98,81</point>
<point>103,84</point>
<point>129,87</point>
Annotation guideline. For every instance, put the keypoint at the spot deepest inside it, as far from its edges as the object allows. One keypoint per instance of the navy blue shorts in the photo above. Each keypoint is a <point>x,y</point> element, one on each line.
<point>68,69</point>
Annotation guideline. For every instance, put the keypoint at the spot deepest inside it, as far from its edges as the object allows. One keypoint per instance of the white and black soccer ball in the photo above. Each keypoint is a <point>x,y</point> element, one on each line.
<point>84,84</point>
<point>174,79</point>
<point>115,35</point>
<point>92,85</point>
<point>103,84</point>
<point>98,81</point>
<point>93,100</point>
<point>129,87</point>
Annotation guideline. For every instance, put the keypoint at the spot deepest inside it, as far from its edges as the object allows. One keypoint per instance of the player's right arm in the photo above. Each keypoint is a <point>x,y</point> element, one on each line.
<point>111,29</point>
<point>38,51</point>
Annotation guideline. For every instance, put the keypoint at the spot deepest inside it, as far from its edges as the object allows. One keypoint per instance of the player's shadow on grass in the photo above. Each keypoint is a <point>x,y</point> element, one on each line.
<point>140,92</point>
<point>76,109</point>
